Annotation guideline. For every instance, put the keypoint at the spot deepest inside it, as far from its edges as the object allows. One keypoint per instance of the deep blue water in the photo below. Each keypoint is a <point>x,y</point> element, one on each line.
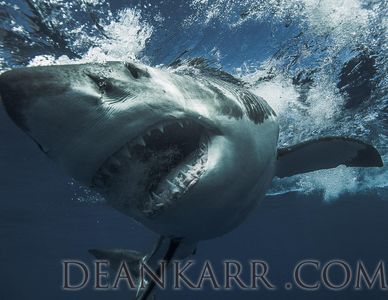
<point>41,226</point>
<point>311,67</point>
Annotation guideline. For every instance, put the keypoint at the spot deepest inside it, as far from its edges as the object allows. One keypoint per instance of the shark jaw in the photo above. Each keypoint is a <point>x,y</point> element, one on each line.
<point>153,171</point>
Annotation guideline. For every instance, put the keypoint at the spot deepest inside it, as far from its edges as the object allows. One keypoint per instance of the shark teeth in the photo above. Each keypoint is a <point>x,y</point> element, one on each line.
<point>169,189</point>
<point>177,183</point>
<point>105,172</point>
<point>157,197</point>
<point>126,153</point>
<point>115,162</point>
<point>172,185</point>
<point>140,141</point>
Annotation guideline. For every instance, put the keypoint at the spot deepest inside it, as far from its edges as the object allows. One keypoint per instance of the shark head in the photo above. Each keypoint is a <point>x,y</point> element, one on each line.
<point>177,153</point>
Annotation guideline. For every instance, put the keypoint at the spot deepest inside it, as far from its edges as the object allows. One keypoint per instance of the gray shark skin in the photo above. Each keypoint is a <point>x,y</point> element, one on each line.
<point>159,146</point>
<point>188,154</point>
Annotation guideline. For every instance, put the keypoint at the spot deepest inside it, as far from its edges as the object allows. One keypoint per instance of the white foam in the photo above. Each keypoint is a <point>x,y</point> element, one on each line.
<point>311,118</point>
<point>125,37</point>
<point>278,92</point>
<point>324,100</point>
<point>336,24</point>
<point>332,183</point>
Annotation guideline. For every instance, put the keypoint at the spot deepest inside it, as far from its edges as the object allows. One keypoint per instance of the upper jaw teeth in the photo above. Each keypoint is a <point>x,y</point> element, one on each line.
<point>140,141</point>
<point>177,182</point>
<point>125,153</point>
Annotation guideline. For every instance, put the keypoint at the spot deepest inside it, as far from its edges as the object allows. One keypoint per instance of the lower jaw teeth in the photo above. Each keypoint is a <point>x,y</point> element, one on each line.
<point>177,183</point>
<point>172,188</point>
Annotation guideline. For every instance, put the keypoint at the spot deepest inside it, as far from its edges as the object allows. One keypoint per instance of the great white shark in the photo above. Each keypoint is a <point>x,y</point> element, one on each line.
<point>188,152</point>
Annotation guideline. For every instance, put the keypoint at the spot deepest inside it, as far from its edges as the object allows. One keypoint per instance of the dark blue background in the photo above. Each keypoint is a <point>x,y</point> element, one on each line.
<point>41,225</point>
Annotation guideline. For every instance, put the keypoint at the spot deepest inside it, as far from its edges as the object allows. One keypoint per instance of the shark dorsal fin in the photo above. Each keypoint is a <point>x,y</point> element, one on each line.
<point>207,68</point>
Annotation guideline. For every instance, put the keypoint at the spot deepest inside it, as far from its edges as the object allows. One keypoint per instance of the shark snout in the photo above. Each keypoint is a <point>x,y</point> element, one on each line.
<point>21,88</point>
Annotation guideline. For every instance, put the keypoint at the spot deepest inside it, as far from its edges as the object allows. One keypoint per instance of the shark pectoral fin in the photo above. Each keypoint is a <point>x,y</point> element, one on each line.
<point>326,153</point>
<point>117,256</point>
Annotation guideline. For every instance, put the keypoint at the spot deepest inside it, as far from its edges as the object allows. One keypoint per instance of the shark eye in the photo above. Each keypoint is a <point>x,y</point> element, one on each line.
<point>103,84</point>
<point>135,71</point>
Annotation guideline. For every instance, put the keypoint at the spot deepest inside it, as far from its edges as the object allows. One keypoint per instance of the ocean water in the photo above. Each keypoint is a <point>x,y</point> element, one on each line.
<point>322,66</point>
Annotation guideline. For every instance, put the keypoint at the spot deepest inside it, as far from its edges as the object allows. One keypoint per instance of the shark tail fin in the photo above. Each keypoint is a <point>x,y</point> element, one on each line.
<point>326,153</point>
<point>165,250</point>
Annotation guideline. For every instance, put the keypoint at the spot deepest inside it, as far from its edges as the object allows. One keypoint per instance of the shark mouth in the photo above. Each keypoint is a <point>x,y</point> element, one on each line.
<point>156,168</point>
